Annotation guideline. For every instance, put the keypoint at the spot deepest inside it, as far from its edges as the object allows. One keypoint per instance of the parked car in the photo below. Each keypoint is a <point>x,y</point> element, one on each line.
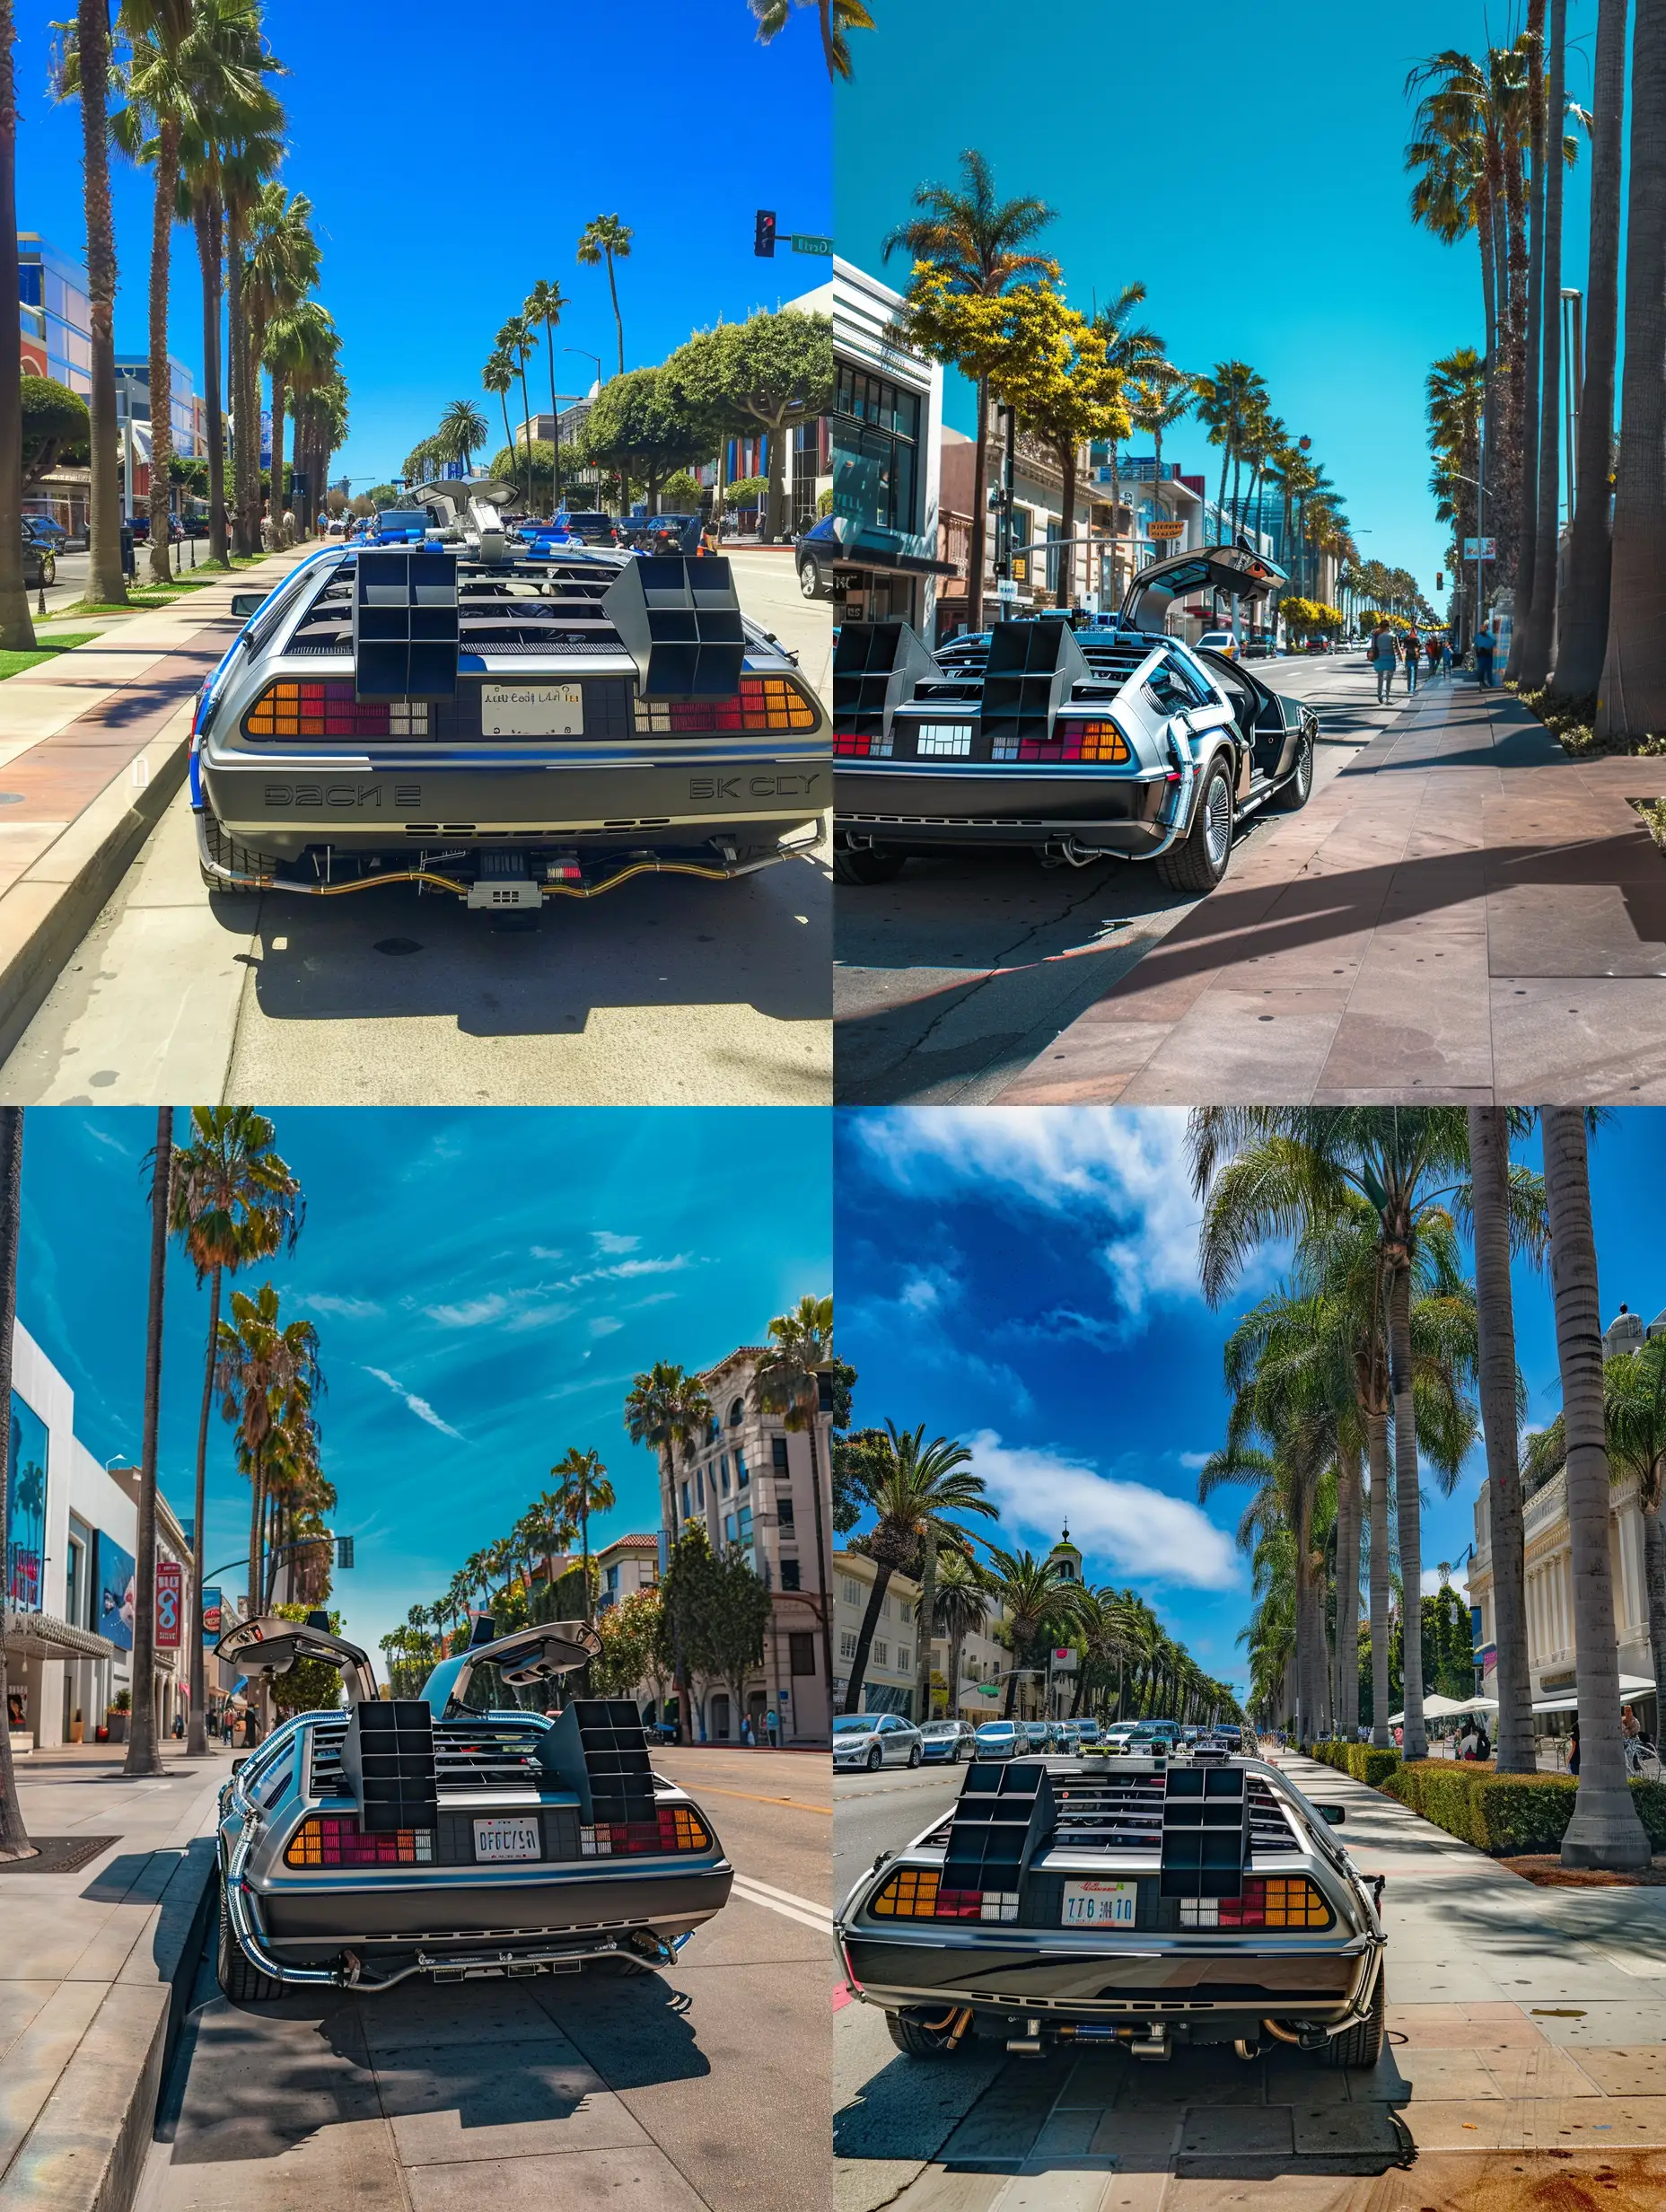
<point>1219,641</point>
<point>40,563</point>
<point>1111,741</point>
<point>1068,1900</point>
<point>593,529</point>
<point>456,1834</point>
<point>875,1740</point>
<point>816,552</point>
<point>997,1739</point>
<point>945,1742</point>
<point>1037,1734</point>
<point>48,532</point>
<point>1087,1731</point>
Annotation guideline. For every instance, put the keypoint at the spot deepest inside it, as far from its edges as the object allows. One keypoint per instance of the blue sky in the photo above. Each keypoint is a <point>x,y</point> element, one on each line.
<point>1026,1280</point>
<point>484,1283</point>
<point>453,160</point>
<point>1245,165</point>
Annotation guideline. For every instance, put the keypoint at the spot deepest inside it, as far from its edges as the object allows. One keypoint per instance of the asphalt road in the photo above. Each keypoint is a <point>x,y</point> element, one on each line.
<point>706,2086</point>
<point>669,991</point>
<point>950,981</point>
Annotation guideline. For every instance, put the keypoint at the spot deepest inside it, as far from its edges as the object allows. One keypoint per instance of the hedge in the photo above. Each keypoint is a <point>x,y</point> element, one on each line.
<point>1366,1762</point>
<point>1506,1814</point>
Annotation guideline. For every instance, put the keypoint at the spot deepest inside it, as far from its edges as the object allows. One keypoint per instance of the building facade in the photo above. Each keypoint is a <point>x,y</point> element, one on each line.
<point>888,1682</point>
<point>751,1485</point>
<point>73,1537</point>
<point>55,314</point>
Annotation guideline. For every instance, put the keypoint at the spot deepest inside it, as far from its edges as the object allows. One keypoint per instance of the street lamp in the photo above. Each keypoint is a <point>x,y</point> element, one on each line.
<point>1480,508</point>
<point>583,355</point>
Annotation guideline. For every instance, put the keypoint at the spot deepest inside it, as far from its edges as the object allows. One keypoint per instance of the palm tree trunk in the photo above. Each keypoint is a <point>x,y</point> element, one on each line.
<point>1489,1155</point>
<point>14,1835</point>
<point>280,395</point>
<point>924,1620</point>
<point>864,1637</point>
<point>1605,1829</point>
<point>977,536</point>
<point>257,1523</point>
<point>1631,698</point>
<point>1528,511</point>
<point>1377,1456</point>
<point>554,422</point>
<point>237,335</point>
<point>248,410</point>
<point>1348,1591</point>
<point>161,374</point>
<point>1582,633</point>
<point>208,221</point>
<point>1066,579</point>
<point>824,1587</point>
<point>1507,512</point>
<point>144,1756</point>
<point>1654,1581</point>
<point>1538,647</point>
<point>106,583</point>
<point>17,630</point>
<point>1414,1741</point>
<point>526,412</point>
<point>1220,496</point>
<point>197,1742</point>
<point>619,321</point>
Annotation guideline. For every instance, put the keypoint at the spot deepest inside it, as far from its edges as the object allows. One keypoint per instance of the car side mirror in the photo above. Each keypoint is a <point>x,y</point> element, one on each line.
<point>1333,1816</point>
<point>246,605</point>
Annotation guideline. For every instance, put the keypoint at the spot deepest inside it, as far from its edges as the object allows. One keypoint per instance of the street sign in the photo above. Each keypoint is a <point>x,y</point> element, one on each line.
<point>1480,549</point>
<point>214,1606</point>
<point>1006,588</point>
<point>170,1605</point>
<point>1172,526</point>
<point>802,242</point>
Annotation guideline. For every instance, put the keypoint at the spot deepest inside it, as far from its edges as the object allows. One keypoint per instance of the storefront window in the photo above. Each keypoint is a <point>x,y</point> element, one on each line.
<point>875,441</point>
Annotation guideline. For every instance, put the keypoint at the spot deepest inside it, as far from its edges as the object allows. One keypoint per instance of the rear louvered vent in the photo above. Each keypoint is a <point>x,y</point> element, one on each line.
<point>387,1761</point>
<point>598,1747</point>
<point>1206,1823</point>
<point>1001,1820</point>
<point>467,1758</point>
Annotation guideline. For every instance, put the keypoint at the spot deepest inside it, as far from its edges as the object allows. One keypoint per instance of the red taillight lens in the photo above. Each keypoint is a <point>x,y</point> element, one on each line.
<point>674,1827</point>
<point>762,703</point>
<point>1276,1901</point>
<point>330,710</point>
<point>1077,741</point>
<point>337,1839</point>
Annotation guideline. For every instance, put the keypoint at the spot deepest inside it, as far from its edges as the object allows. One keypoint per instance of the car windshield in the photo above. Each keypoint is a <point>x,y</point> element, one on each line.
<point>402,518</point>
<point>854,1725</point>
<point>941,1728</point>
<point>996,1728</point>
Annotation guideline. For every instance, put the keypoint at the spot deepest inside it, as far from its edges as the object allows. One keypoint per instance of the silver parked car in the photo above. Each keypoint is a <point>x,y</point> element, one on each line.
<point>876,1740</point>
<point>945,1742</point>
<point>453,1834</point>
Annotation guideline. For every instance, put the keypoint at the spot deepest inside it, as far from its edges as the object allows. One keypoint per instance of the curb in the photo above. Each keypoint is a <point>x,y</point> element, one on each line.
<point>87,2149</point>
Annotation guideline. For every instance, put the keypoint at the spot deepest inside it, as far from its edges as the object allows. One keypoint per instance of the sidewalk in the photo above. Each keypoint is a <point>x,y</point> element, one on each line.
<point>87,1968</point>
<point>93,743</point>
<point>1463,914</point>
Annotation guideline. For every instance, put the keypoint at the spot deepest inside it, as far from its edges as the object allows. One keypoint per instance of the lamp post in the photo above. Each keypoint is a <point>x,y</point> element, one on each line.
<point>583,355</point>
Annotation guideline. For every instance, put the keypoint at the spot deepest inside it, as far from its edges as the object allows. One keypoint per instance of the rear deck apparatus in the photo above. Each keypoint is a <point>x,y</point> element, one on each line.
<point>598,1748</point>
<point>1003,1817</point>
<point>387,1761</point>
<point>405,625</point>
<point>680,621</point>
<point>1206,1833</point>
<point>1031,671</point>
<point>876,665</point>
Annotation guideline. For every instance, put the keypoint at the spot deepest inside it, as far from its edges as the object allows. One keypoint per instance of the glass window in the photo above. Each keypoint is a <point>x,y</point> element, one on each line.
<point>26,1507</point>
<point>723,1470</point>
<point>847,1637</point>
<point>881,1652</point>
<point>30,289</point>
<point>741,1476</point>
<point>905,1658</point>
<point>784,1513</point>
<point>745,1519</point>
<point>699,1487</point>
<point>735,1412</point>
<point>801,1652</point>
<point>686,1508</point>
<point>729,1527</point>
<point>875,437</point>
<point>789,1573</point>
<point>777,1455</point>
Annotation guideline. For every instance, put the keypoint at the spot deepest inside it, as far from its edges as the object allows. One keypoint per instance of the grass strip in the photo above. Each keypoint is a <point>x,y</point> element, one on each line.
<point>13,663</point>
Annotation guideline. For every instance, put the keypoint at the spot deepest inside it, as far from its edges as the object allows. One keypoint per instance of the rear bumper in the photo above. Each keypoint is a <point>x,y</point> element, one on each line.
<point>1000,806</point>
<point>314,1920</point>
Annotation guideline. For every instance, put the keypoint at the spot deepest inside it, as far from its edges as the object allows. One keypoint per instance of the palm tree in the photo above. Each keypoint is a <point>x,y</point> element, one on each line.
<point>1541,501</point>
<point>235,1201</point>
<point>498,377</point>
<point>915,1487</point>
<point>1605,1829</point>
<point>84,72</point>
<point>1157,401</point>
<point>280,269</point>
<point>17,630</point>
<point>667,1410</point>
<point>1456,389</point>
<point>978,241</point>
<point>544,305</point>
<point>1033,1604</point>
<point>790,1380</point>
<point>582,1488</point>
<point>144,1753</point>
<point>604,238</point>
<point>1582,627</point>
<point>265,1369</point>
<point>516,342</point>
<point>462,429</point>
<point>299,339</point>
<point>248,164</point>
<point>960,1605</point>
<point>1132,350</point>
<point>13,1834</point>
<point>837,17</point>
<point>1226,401</point>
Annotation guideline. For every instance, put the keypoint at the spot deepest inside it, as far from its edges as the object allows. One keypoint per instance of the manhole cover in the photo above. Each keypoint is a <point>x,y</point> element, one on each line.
<point>395,947</point>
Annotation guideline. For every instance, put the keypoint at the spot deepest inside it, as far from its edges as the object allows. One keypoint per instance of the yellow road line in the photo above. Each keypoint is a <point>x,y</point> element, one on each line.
<point>716,1789</point>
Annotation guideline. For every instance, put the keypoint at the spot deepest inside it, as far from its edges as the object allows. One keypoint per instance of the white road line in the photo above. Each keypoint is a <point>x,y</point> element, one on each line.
<point>803,1910</point>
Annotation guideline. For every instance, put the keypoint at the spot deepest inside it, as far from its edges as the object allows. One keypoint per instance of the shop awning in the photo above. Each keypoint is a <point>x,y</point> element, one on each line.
<point>865,545</point>
<point>41,1635</point>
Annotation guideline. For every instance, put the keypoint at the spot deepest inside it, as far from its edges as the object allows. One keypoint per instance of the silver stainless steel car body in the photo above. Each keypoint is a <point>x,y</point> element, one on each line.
<point>1021,1969</point>
<point>431,1899</point>
<point>1112,739</point>
<point>558,753</point>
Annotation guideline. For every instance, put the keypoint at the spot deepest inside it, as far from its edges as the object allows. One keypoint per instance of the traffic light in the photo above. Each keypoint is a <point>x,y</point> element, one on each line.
<point>1440,580</point>
<point>344,1551</point>
<point>764,235</point>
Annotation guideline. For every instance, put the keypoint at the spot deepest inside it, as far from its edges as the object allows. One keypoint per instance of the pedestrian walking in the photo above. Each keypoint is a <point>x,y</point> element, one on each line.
<point>251,1729</point>
<point>773,1724</point>
<point>1446,656</point>
<point>1411,651</point>
<point>1382,661</point>
<point>1572,1748</point>
<point>1486,645</point>
<point>745,1730</point>
<point>1432,646</point>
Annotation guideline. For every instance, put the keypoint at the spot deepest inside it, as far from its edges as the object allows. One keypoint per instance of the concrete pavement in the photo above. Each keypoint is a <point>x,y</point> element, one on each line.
<point>1464,914</point>
<point>1525,2068</point>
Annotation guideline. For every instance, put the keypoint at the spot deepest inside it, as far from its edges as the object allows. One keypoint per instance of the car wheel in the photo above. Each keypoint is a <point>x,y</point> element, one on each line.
<point>1298,789</point>
<point>921,2041</point>
<point>1361,2045</point>
<point>865,865</point>
<point>876,1760</point>
<point>48,571</point>
<point>916,1755</point>
<point>1200,861</point>
<point>810,578</point>
<point>238,1979</point>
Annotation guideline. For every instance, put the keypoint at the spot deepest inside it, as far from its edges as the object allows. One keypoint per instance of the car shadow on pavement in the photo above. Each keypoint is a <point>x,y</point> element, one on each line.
<point>633,2028</point>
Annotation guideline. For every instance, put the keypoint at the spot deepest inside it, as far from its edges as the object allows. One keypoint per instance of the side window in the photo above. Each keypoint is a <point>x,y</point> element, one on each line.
<point>1200,691</point>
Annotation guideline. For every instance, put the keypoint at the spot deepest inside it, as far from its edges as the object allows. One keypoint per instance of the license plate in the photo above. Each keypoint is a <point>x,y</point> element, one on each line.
<point>531,710</point>
<point>1101,1904</point>
<point>499,1839</point>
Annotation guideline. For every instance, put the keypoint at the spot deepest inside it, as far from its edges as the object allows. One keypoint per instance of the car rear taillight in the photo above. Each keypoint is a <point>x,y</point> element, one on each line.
<point>1075,741</point>
<point>337,1839</point>
<point>916,1894</point>
<point>674,1827</point>
<point>1281,1901</point>
<point>762,703</point>
<point>331,710</point>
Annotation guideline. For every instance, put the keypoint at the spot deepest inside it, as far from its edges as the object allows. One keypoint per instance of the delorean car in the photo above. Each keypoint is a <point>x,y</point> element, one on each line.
<point>1115,742</point>
<point>1147,1902</point>
<point>456,1835</point>
<point>502,722</point>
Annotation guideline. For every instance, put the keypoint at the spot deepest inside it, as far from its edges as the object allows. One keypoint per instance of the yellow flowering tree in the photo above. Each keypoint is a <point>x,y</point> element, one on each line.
<point>1058,378</point>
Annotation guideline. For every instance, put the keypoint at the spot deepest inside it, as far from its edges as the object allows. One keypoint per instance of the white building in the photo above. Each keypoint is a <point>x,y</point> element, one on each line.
<point>888,1684</point>
<point>72,1535</point>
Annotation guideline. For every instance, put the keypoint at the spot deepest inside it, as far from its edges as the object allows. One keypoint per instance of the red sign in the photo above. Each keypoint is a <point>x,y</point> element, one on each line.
<point>170,1605</point>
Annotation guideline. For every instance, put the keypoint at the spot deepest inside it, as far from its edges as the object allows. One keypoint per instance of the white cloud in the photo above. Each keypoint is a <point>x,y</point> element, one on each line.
<point>1138,1532</point>
<point>547,1252</point>
<point>920,1295</point>
<point>339,1309</point>
<point>605,1326</point>
<point>419,1406</point>
<point>1430,1582</point>
<point>1193,1459</point>
<point>622,1271</point>
<point>469,1312</point>
<point>609,1241</point>
<point>1126,1165</point>
<point>538,1317</point>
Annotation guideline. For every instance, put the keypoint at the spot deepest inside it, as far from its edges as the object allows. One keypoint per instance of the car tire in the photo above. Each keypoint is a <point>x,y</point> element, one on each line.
<point>866,865</point>
<point>242,1983</point>
<point>923,2042</point>
<point>230,853</point>
<point>916,1755</point>
<point>48,572</point>
<point>876,1760</point>
<point>810,577</point>
<point>1361,2046</point>
<point>1200,861</point>
<point>1297,789</point>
